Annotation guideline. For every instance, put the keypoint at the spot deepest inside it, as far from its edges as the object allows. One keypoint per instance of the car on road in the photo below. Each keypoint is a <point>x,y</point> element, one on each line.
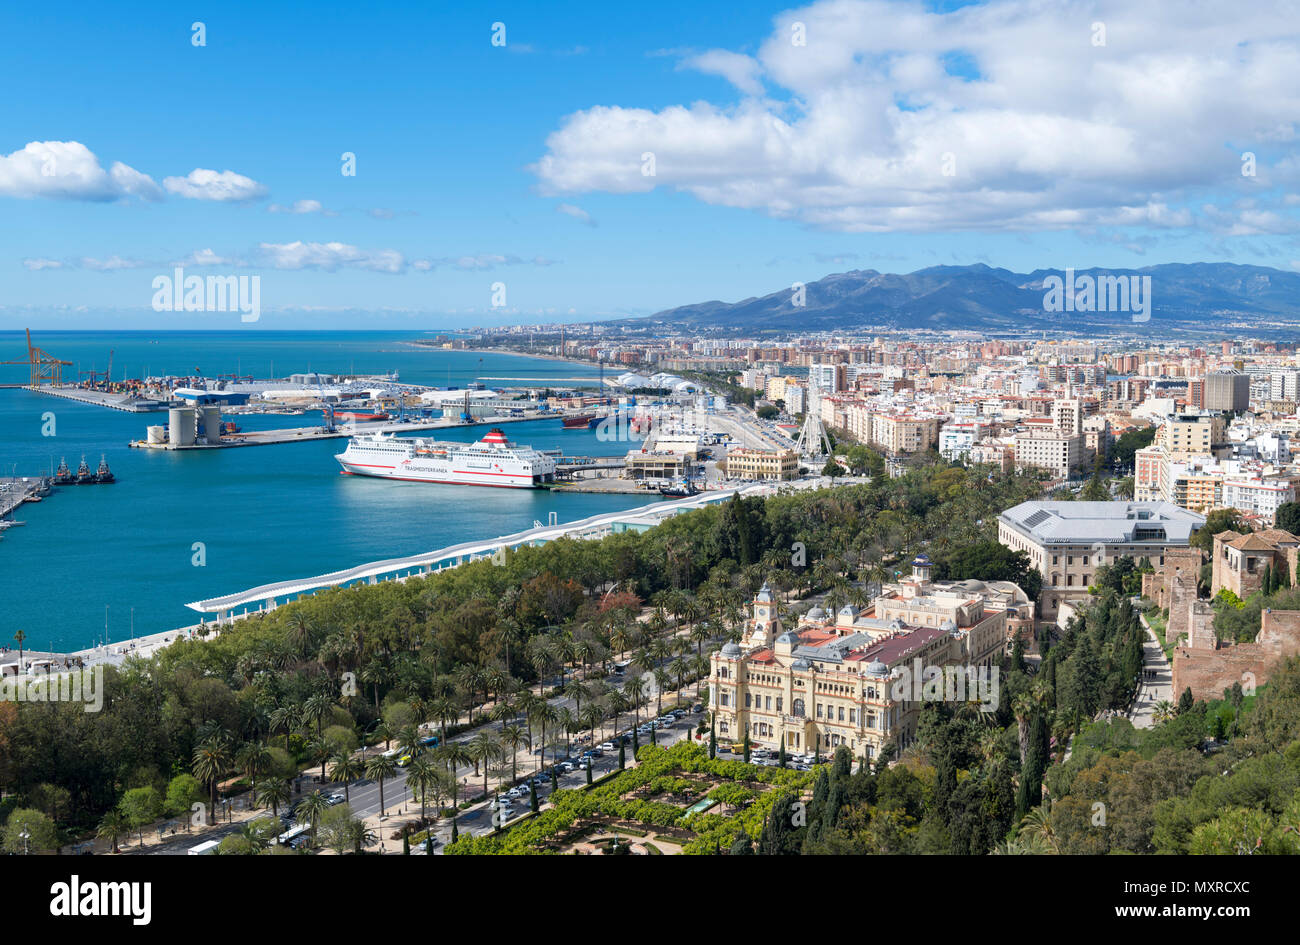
<point>608,746</point>
<point>334,799</point>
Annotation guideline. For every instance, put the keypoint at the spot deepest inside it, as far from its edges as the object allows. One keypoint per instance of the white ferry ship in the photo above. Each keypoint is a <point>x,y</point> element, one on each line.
<point>492,461</point>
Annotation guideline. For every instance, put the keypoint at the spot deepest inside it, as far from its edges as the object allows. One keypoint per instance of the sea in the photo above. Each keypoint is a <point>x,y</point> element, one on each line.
<point>96,564</point>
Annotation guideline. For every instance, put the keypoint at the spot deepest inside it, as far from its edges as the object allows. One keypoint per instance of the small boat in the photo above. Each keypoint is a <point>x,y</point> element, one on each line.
<point>84,476</point>
<point>103,474</point>
<point>63,476</point>
<point>580,422</point>
<point>9,523</point>
<point>682,490</point>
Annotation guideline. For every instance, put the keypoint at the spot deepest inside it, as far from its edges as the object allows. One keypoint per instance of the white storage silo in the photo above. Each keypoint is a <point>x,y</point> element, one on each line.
<point>212,423</point>
<point>157,434</point>
<point>180,426</point>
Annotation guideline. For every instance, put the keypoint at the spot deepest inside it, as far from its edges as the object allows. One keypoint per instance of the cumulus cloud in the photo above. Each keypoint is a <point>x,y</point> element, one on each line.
<point>222,186</point>
<point>741,71</point>
<point>1002,115</point>
<point>576,212</point>
<point>327,256</point>
<point>113,263</point>
<point>69,170</point>
<point>300,207</point>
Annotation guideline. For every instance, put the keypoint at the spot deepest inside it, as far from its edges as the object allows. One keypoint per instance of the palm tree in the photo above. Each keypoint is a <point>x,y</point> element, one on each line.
<point>346,768</point>
<point>381,767</point>
<point>485,748</point>
<point>285,719</point>
<point>1164,710</point>
<point>420,775</point>
<point>543,715</point>
<point>112,829</point>
<point>316,709</point>
<point>300,631</point>
<point>514,736</point>
<point>209,763</point>
<point>20,637</point>
<point>319,750</point>
<point>1037,825</point>
<point>310,809</point>
<point>252,759</point>
<point>275,791</point>
<point>453,755</point>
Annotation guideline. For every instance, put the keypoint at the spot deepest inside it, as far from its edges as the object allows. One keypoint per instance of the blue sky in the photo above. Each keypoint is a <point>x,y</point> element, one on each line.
<point>478,164</point>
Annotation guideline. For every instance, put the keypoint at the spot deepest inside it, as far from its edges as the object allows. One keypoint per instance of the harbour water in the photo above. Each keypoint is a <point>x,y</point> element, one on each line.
<point>178,527</point>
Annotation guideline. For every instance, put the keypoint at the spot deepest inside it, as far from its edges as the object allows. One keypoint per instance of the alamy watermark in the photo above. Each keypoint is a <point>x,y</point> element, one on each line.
<point>921,683</point>
<point>1098,294</point>
<point>182,293</point>
<point>77,685</point>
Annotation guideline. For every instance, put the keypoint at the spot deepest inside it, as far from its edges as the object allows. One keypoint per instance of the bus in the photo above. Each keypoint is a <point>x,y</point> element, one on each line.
<point>621,667</point>
<point>430,742</point>
<point>292,834</point>
<point>204,848</point>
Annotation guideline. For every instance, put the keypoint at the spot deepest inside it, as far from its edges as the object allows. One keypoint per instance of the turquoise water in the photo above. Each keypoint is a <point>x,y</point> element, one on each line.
<point>263,513</point>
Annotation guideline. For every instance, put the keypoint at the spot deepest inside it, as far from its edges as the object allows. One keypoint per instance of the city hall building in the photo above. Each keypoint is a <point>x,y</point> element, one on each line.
<point>829,680</point>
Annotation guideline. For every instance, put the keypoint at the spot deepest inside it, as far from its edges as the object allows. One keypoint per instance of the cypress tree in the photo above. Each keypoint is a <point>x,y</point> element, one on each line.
<point>746,747</point>
<point>532,797</point>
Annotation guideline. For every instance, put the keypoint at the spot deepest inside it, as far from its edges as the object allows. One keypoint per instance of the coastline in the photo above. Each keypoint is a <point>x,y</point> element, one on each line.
<point>510,351</point>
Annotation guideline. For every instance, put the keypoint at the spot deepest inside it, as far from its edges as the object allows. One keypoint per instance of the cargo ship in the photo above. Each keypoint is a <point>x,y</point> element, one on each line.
<point>580,422</point>
<point>492,461</point>
<point>359,416</point>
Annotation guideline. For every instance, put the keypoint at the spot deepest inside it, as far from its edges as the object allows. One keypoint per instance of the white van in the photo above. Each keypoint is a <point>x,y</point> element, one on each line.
<point>204,848</point>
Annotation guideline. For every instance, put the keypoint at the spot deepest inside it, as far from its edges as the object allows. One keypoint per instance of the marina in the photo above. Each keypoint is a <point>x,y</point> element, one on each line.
<point>180,525</point>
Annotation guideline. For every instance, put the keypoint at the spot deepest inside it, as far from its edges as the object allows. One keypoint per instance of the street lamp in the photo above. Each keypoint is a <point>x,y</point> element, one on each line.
<point>25,837</point>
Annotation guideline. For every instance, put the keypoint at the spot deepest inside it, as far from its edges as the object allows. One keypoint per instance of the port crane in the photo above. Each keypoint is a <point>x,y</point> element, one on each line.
<point>45,367</point>
<point>93,376</point>
<point>326,408</point>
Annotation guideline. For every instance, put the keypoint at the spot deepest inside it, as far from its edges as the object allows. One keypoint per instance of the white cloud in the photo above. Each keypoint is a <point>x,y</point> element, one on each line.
<point>741,71</point>
<point>1039,128</point>
<point>327,256</point>
<point>224,186</point>
<point>300,207</point>
<point>481,262</point>
<point>71,171</point>
<point>112,263</point>
<point>36,265</point>
<point>577,213</point>
<point>206,257</point>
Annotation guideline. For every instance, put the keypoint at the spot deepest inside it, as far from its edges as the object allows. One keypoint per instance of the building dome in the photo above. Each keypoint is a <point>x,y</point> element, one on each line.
<point>731,650</point>
<point>802,664</point>
<point>788,637</point>
<point>948,626</point>
<point>877,668</point>
<point>816,614</point>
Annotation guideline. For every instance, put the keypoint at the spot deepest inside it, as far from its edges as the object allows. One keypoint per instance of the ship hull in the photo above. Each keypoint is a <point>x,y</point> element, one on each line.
<point>492,462</point>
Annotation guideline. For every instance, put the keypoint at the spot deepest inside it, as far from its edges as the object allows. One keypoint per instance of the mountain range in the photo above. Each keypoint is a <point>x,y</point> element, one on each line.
<point>1182,296</point>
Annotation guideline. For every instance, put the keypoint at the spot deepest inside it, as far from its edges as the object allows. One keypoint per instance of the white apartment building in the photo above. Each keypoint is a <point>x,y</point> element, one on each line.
<point>1050,451</point>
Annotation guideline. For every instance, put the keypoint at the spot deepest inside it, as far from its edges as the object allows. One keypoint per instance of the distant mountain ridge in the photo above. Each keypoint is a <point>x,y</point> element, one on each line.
<point>979,297</point>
